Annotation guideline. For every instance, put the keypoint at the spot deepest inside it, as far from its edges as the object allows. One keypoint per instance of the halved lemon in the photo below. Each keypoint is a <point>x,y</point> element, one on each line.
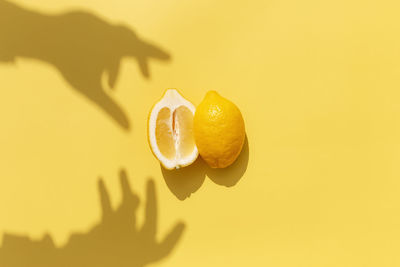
<point>170,131</point>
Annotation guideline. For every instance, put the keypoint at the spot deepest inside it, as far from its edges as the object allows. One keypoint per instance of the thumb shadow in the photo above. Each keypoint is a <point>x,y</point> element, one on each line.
<point>115,241</point>
<point>83,47</point>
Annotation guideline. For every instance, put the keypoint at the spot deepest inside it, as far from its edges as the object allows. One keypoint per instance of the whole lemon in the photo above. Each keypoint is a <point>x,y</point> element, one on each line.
<point>219,130</point>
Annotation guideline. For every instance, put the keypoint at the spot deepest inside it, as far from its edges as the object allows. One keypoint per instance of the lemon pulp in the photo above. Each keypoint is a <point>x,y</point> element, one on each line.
<point>170,131</point>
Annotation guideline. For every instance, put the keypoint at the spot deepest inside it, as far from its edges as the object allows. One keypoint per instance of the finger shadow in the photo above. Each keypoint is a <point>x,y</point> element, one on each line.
<point>83,47</point>
<point>116,239</point>
<point>187,180</point>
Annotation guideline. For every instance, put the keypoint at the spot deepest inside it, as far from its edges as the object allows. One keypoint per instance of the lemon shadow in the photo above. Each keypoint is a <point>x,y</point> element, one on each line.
<point>231,175</point>
<point>186,181</point>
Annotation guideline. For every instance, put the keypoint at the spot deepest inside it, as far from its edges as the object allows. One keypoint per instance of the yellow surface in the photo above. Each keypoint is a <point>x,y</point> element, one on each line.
<point>317,83</point>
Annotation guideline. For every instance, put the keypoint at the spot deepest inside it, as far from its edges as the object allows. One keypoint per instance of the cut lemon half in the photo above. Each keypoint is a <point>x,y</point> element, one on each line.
<point>170,131</point>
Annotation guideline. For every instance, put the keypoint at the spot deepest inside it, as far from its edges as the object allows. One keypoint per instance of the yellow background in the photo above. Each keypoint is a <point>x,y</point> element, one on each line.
<point>318,85</point>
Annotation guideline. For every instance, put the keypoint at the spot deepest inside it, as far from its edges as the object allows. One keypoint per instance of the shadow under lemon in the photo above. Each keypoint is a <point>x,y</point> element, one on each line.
<point>82,46</point>
<point>185,181</point>
<point>115,241</point>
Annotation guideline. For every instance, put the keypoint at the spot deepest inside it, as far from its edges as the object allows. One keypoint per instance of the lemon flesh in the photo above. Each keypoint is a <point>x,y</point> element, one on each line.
<point>219,130</point>
<point>164,134</point>
<point>170,131</point>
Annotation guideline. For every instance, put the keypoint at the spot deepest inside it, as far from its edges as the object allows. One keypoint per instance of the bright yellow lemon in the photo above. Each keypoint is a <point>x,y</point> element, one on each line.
<point>218,130</point>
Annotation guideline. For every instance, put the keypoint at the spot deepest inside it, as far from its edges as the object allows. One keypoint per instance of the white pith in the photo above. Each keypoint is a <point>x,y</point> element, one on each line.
<point>172,100</point>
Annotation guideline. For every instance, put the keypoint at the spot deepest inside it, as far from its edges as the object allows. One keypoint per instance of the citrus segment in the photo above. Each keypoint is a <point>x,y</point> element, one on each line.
<point>184,127</point>
<point>164,134</point>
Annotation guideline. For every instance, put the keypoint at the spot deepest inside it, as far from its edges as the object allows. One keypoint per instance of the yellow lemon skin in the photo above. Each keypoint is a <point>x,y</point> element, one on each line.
<point>218,130</point>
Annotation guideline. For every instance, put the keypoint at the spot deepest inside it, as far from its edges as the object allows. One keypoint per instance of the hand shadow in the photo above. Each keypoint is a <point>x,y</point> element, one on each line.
<point>185,181</point>
<point>80,45</point>
<point>115,241</point>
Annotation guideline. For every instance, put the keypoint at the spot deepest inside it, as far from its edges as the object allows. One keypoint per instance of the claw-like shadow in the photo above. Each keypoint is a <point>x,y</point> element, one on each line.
<point>115,241</point>
<point>80,45</point>
<point>183,182</point>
